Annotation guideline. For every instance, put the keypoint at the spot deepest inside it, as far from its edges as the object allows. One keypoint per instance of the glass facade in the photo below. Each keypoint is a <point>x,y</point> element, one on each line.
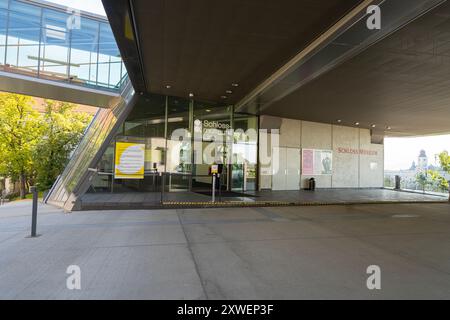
<point>53,44</point>
<point>182,139</point>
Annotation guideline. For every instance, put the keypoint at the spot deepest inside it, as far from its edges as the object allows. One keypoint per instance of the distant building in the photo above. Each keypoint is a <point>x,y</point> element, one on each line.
<point>422,164</point>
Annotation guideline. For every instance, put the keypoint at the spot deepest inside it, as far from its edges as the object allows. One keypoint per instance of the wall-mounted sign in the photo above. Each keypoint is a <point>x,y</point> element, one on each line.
<point>216,125</point>
<point>208,124</point>
<point>363,152</point>
<point>129,160</point>
<point>211,130</point>
<point>317,162</point>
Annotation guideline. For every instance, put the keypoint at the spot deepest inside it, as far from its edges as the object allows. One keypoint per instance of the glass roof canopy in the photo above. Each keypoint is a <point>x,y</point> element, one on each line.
<point>51,42</point>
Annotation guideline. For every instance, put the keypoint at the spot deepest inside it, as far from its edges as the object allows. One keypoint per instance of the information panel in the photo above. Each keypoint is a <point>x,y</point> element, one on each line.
<point>129,160</point>
<point>317,162</point>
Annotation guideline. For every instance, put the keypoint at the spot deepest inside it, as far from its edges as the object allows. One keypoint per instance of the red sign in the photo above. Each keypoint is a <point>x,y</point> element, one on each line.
<point>363,152</point>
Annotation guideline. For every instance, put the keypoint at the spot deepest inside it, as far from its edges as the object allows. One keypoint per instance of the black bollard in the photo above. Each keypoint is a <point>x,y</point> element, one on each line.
<point>34,211</point>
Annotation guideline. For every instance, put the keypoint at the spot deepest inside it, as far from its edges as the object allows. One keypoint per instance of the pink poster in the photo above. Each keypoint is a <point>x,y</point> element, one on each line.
<point>308,162</point>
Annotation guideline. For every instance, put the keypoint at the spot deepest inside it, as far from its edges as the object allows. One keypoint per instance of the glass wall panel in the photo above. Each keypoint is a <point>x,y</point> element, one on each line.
<point>3,25</point>
<point>52,44</point>
<point>211,123</point>
<point>145,124</point>
<point>245,152</point>
<point>179,151</point>
<point>182,139</point>
<point>22,51</point>
<point>109,61</point>
<point>83,53</point>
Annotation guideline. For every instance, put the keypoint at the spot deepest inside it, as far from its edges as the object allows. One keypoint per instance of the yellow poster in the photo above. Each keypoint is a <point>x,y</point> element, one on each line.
<point>129,160</point>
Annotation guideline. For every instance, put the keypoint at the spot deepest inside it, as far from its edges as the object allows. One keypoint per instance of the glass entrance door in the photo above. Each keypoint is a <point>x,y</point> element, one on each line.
<point>245,152</point>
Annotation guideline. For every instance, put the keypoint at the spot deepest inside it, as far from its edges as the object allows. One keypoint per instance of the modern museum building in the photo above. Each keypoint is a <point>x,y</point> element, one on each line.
<point>263,97</point>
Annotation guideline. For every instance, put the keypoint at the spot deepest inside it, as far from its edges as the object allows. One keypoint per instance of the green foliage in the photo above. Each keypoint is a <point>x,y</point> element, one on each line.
<point>422,180</point>
<point>444,159</point>
<point>442,183</point>
<point>439,180</point>
<point>19,134</point>
<point>35,147</point>
<point>62,129</point>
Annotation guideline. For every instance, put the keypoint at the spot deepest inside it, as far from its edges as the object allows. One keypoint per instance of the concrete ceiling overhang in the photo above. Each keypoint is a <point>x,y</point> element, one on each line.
<point>205,46</point>
<point>401,83</point>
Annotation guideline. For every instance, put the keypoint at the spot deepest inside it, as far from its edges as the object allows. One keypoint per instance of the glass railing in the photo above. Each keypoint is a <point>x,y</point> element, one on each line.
<point>53,43</point>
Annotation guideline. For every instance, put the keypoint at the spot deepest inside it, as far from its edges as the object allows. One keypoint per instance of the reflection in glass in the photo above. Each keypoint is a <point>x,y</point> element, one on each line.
<point>46,43</point>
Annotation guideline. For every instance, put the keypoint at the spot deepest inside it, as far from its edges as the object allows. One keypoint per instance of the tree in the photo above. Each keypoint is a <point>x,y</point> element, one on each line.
<point>62,130</point>
<point>422,180</point>
<point>19,134</point>
<point>444,159</point>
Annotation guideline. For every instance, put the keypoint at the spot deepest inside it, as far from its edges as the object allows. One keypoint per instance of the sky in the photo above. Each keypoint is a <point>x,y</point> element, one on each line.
<point>401,152</point>
<point>93,6</point>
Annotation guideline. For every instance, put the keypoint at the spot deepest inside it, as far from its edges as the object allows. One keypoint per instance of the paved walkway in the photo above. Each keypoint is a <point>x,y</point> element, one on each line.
<point>239,253</point>
<point>97,201</point>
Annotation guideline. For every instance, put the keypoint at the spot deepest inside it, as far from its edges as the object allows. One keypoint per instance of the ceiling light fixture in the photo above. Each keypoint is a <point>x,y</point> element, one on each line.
<point>191,95</point>
<point>229,92</point>
<point>356,123</point>
<point>223,97</point>
<point>235,85</point>
<point>339,121</point>
<point>374,126</point>
<point>168,86</point>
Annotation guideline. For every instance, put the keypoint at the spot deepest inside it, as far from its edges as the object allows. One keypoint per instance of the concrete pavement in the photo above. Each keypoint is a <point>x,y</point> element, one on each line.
<point>239,253</point>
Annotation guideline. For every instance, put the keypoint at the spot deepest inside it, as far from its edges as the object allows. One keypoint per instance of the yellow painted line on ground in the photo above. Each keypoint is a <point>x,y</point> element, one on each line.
<point>299,204</point>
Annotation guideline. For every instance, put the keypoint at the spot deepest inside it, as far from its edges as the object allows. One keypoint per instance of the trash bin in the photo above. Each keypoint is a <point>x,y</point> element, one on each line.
<point>312,184</point>
<point>398,180</point>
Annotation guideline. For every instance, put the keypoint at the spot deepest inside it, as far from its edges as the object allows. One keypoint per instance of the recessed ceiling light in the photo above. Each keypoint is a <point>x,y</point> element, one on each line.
<point>168,86</point>
<point>191,95</point>
<point>339,121</point>
<point>374,126</point>
<point>207,110</point>
<point>388,128</point>
<point>235,85</point>
<point>223,97</point>
<point>356,123</point>
<point>229,92</point>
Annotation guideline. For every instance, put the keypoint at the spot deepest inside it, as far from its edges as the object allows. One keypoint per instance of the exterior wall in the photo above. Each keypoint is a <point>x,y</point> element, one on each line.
<point>371,167</point>
<point>346,165</point>
<point>357,163</point>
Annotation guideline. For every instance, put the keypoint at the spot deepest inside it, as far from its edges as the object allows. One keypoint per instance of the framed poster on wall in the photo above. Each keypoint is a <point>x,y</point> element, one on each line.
<point>317,162</point>
<point>129,160</point>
